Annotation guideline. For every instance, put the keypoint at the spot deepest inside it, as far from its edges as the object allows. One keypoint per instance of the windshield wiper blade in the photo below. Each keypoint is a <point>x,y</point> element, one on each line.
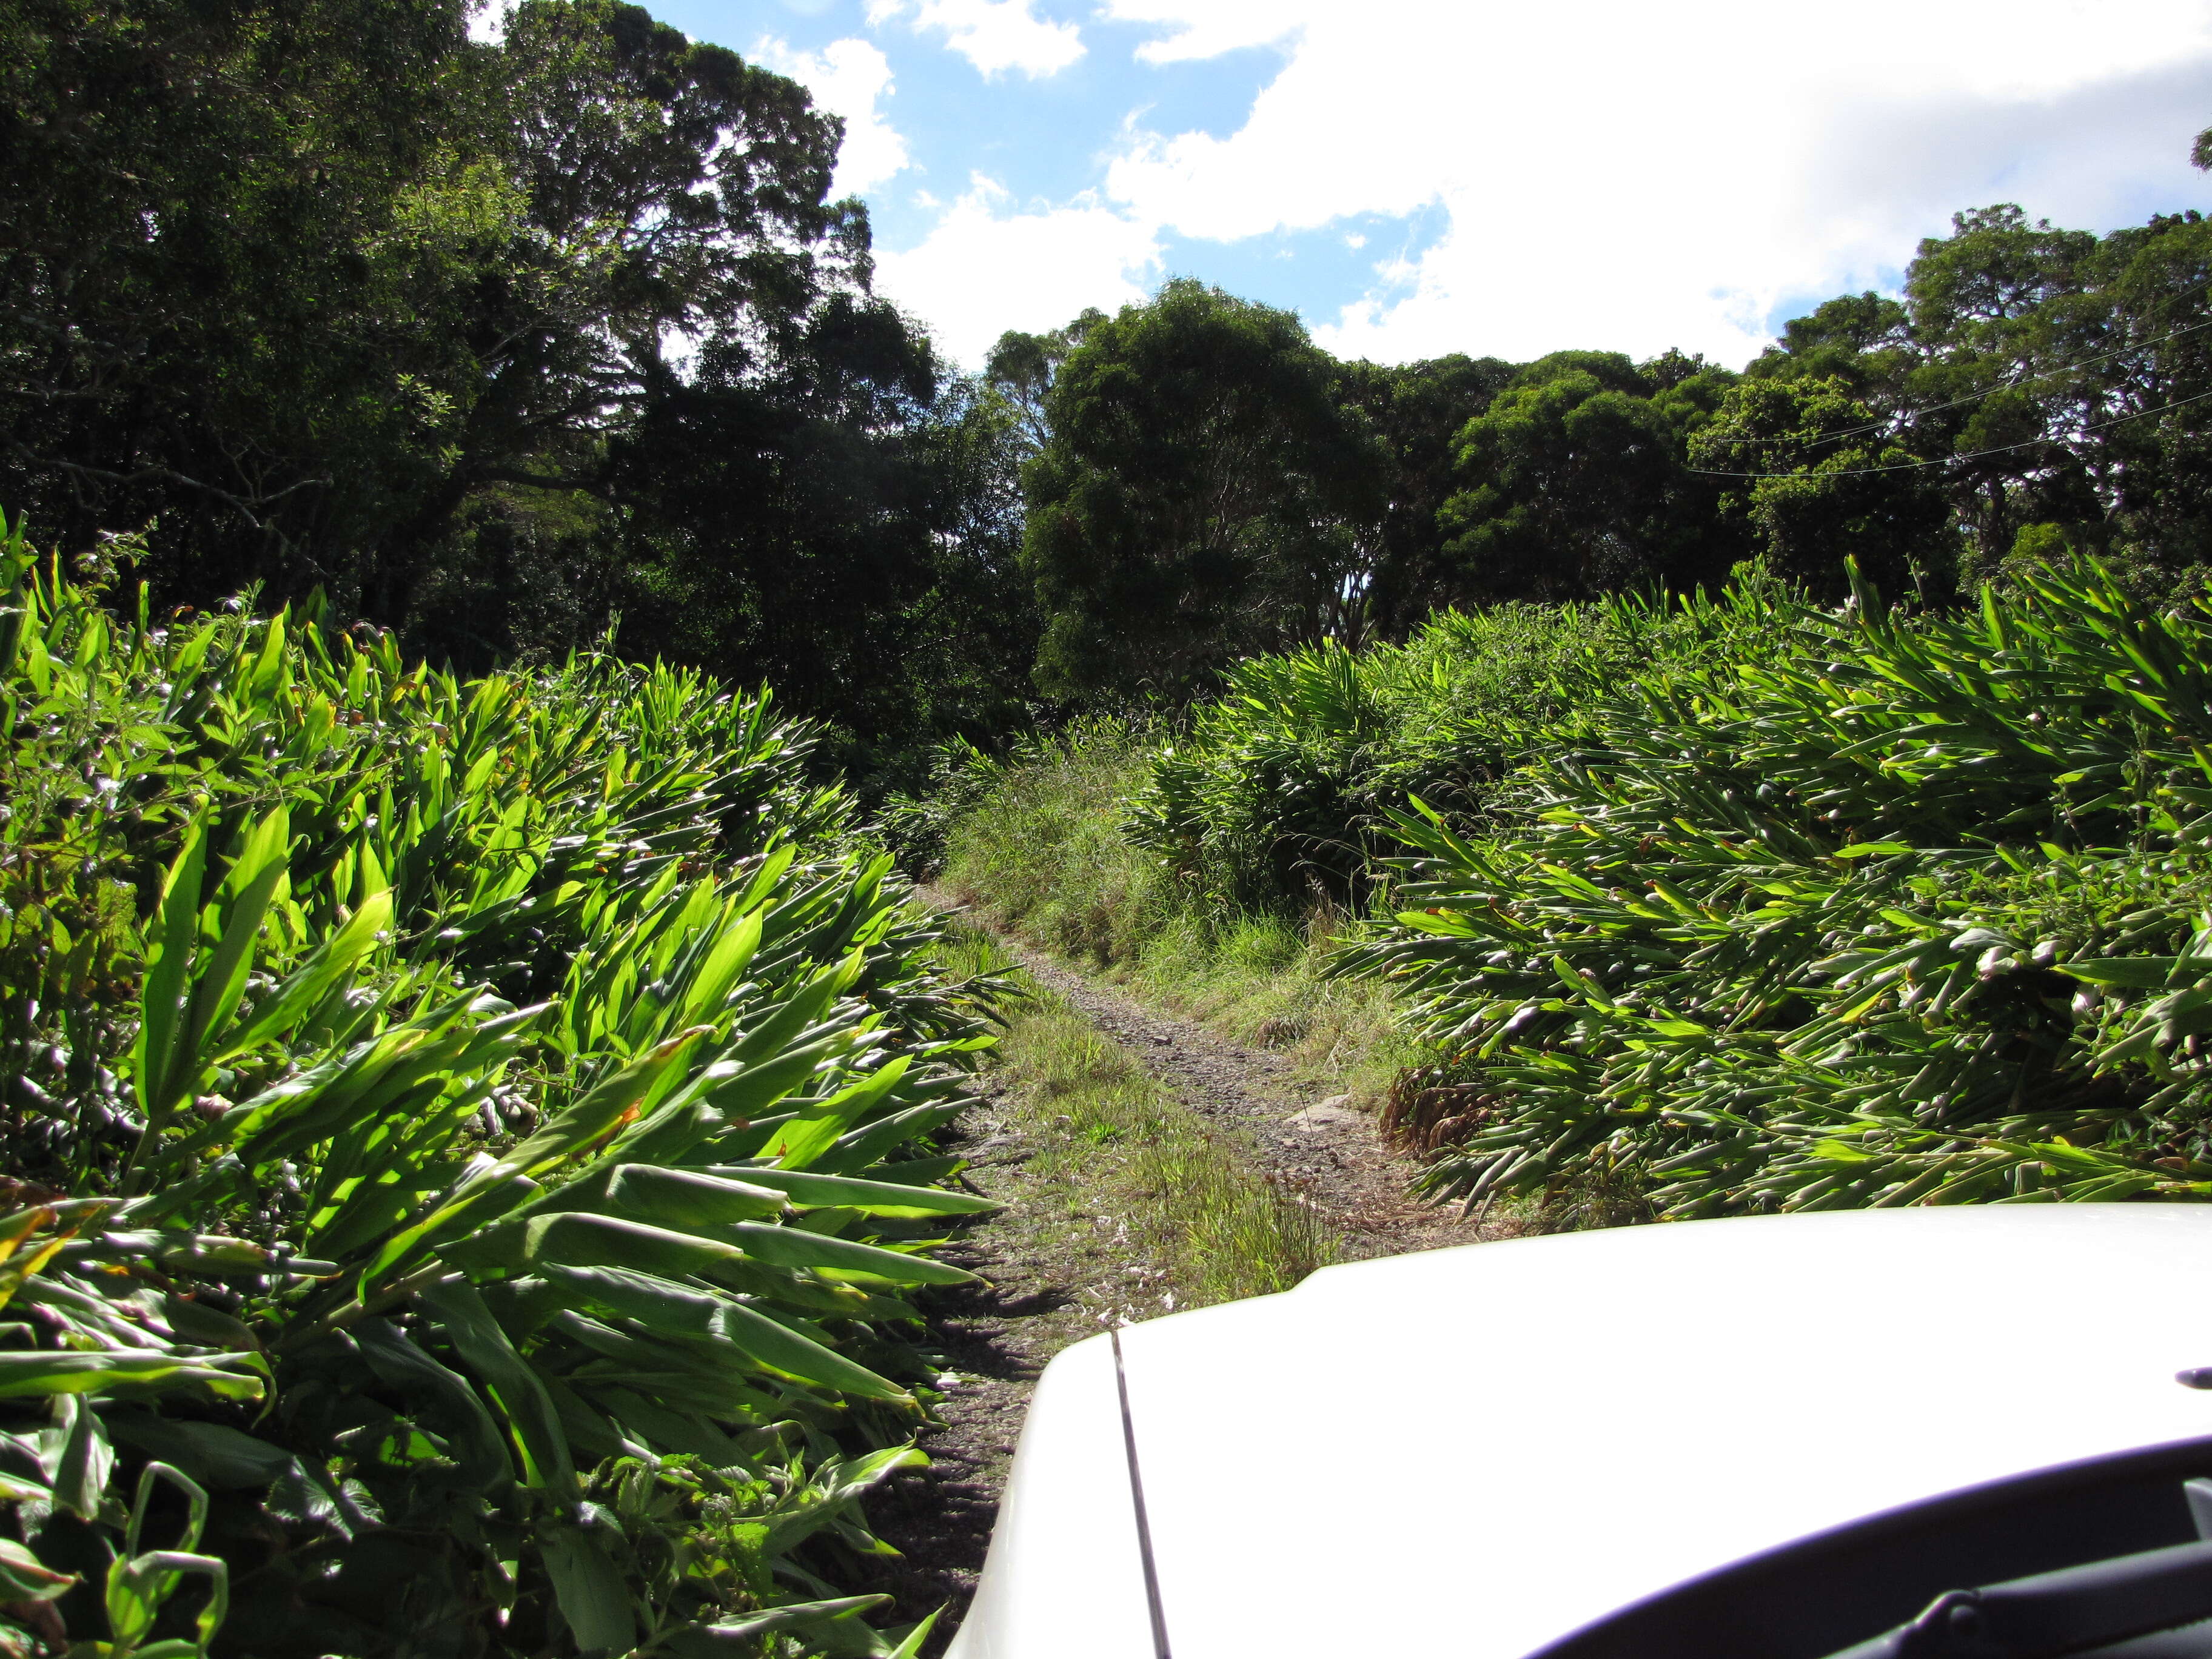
<point>2073,1611</point>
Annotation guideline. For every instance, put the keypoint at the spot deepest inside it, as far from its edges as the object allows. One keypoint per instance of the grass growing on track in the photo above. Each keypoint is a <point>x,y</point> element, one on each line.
<point>1045,855</point>
<point>1259,980</point>
<point>1198,1220</point>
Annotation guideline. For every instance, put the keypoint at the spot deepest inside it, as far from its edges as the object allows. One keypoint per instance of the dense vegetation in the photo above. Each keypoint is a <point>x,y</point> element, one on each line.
<point>469,1096</point>
<point>1207,485</point>
<point>1721,905</point>
<point>467,1147</point>
<point>1885,909</point>
<point>492,341</point>
<point>495,341</point>
<point>1279,790</point>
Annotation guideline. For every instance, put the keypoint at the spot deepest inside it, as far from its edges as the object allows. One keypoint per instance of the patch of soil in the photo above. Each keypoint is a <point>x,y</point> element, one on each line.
<point>1052,1275</point>
<point>1357,1183</point>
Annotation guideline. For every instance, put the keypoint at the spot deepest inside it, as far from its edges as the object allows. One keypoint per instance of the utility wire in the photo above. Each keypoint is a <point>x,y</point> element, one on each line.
<point>1910,415</point>
<point>1947,460</point>
<point>2012,386</point>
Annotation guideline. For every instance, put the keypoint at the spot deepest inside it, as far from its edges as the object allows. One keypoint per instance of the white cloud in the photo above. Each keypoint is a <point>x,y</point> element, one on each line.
<point>989,266</point>
<point>1206,28</point>
<point>847,78</point>
<point>1613,173</point>
<point>994,35</point>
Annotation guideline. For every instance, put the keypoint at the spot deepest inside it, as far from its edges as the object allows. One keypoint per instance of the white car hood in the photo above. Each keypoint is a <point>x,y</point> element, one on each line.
<point>1478,1450</point>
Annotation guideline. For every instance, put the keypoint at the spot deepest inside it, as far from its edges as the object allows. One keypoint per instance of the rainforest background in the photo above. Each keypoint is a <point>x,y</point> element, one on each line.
<point>499,340</point>
<point>490,596</point>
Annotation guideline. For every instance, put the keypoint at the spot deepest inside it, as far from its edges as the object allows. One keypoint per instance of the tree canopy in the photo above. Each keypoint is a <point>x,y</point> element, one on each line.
<point>493,340</point>
<point>1573,481</point>
<point>2036,379</point>
<point>1415,410</point>
<point>1201,494</point>
<point>506,342</point>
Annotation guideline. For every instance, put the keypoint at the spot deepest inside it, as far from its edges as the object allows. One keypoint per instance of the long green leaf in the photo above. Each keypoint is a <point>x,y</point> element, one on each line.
<point>168,968</point>
<point>673,1309</point>
<point>810,1189</point>
<point>515,1386</point>
<point>125,1372</point>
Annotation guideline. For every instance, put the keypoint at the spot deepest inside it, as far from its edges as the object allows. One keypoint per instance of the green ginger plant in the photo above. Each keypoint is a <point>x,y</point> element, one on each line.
<point>468,1147</point>
<point>1280,793</point>
<point>1914,910</point>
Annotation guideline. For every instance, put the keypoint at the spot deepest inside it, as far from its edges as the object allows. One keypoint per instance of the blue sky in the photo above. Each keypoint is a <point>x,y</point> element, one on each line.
<point>1484,175</point>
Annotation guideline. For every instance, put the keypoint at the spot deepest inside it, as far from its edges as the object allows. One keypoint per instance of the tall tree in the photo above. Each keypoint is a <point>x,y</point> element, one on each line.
<point>672,196</point>
<point>1416,410</point>
<point>221,227</point>
<point>494,341</point>
<point>1574,482</point>
<point>2143,400</point>
<point>838,519</point>
<point>301,282</point>
<point>1020,369</point>
<point>2048,382</point>
<point>1202,495</point>
<point>1864,340</point>
<point>1866,497</point>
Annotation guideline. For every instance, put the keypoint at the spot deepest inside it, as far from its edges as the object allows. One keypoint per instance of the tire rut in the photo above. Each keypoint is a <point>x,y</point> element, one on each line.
<point>996,1335</point>
<point>1330,1153</point>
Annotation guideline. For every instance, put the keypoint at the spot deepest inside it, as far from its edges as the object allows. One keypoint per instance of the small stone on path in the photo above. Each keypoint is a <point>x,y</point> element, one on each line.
<point>1324,1114</point>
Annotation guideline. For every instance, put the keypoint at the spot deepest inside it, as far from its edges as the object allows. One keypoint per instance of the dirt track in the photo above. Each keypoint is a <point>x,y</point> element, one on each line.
<point>1047,1286</point>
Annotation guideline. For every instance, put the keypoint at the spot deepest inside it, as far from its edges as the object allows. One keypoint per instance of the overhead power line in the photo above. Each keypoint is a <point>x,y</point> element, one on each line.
<point>2194,292</point>
<point>1947,460</point>
<point>2012,386</point>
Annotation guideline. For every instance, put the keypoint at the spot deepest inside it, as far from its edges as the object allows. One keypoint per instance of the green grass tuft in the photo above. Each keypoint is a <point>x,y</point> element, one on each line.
<point>1046,852</point>
<point>1108,1138</point>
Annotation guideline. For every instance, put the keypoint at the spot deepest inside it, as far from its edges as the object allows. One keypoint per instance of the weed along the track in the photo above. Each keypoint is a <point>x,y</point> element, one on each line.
<point>1141,1166</point>
<point>1186,1204</point>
